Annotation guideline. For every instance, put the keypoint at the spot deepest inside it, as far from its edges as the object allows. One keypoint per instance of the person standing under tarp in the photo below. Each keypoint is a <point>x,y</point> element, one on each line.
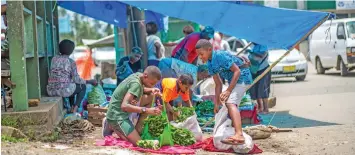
<point>258,57</point>
<point>129,65</point>
<point>224,43</point>
<point>188,29</point>
<point>186,51</point>
<point>222,64</point>
<point>156,48</point>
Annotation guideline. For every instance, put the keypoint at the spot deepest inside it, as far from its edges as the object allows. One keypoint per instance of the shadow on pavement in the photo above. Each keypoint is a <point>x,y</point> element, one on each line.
<point>283,119</point>
<point>351,74</point>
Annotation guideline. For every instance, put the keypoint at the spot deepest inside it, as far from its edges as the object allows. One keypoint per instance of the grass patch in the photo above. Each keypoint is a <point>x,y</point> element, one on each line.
<point>10,121</point>
<point>54,136</point>
<point>5,138</point>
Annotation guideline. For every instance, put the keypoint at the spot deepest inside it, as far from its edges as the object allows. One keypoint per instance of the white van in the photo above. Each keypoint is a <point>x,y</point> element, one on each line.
<point>332,45</point>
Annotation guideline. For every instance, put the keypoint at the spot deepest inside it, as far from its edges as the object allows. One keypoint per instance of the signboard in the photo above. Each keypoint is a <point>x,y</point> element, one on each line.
<point>271,3</point>
<point>345,4</point>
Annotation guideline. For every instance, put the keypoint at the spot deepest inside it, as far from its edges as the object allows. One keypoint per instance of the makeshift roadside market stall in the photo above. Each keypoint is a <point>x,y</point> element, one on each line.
<point>276,28</point>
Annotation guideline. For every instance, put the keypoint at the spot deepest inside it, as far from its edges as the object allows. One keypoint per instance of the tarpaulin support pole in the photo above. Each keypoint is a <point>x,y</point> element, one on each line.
<point>245,48</point>
<point>278,60</point>
<point>140,33</point>
<point>116,42</point>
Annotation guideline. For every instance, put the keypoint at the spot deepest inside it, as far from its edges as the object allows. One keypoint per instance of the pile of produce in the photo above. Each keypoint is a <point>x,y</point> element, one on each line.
<point>204,108</point>
<point>148,144</point>
<point>182,136</point>
<point>96,95</point>
<point>184,113</point>
<point>156,125</point>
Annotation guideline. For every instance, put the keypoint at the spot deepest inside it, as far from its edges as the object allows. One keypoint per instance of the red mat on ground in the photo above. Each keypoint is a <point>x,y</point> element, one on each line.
<point>207,145</point>
<point>112,141</point>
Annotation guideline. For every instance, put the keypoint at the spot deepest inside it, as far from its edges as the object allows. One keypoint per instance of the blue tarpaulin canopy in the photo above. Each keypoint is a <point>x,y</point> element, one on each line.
<point>112,12</point>
<point>273,27</point>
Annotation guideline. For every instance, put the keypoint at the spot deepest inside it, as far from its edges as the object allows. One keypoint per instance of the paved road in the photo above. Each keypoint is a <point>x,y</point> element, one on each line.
<point>328,97</point>
<point>322,112</point>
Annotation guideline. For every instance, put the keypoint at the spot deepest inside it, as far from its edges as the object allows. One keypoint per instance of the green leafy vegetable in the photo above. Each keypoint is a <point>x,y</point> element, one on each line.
<point>148,144</point>
<point>156,125</point>
<point>205,108</point>
<point>96,95</point>
<point>182,136</point>
<point>185,112</point>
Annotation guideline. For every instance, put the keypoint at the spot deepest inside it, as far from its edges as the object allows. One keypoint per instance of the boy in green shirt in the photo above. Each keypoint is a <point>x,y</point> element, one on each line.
<point>125,100</point>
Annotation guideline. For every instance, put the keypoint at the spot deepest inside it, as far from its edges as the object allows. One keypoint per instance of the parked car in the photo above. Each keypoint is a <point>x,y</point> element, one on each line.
<point>104,54</point>
<point>236,45</point>
<point>293,65</point>
<point>332,45</point>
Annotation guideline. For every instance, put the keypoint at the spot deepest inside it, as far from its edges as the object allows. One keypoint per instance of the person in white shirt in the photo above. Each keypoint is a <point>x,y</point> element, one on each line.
<point>224,43</point>
<point>156,48</point>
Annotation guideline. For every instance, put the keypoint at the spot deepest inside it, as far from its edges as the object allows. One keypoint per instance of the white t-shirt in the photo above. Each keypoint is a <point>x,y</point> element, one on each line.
<point>151,40</point>
<point>225,45</point>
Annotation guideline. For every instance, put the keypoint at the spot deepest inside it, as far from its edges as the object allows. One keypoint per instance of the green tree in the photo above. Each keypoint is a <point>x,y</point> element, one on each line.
<point>108,30</point>
<point>97,25</point>
<point>62,12</point>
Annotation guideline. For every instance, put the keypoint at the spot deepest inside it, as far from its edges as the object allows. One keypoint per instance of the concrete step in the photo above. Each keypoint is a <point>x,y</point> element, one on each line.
<point>46,115</point>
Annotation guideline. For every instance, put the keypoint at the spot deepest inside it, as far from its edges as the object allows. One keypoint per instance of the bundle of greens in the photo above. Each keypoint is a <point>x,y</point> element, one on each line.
<point>184,113</point>
<point>182,136</point>
<point>156,125</point>
<point>205,108</point>
<point>148,144</point>
<point>96,95</point>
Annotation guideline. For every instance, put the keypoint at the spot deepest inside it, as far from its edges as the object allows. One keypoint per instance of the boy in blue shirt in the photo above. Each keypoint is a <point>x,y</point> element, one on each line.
<point>221,64</point>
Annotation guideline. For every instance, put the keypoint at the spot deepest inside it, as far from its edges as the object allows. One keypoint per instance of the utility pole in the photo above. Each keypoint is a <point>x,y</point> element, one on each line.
<point>136,18</point>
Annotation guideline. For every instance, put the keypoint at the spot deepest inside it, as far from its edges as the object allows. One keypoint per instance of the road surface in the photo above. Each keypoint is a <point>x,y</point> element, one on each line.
<point>321,110</point>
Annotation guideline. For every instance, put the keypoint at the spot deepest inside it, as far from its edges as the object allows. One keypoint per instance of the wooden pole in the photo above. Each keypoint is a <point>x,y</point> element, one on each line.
<point>244,48</point>
<point>139,26</point>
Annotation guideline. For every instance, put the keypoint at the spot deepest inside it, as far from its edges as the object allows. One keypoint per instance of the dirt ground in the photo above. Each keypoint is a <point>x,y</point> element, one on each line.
<point>330,140</point>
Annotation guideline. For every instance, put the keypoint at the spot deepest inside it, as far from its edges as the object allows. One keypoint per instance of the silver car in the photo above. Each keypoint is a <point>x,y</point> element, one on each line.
<point>293,65</point>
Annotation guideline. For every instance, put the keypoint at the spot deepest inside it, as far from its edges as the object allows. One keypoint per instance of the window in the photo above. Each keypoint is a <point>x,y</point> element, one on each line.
<point>340,31</point>
<point>55,40</point>
<point>231,44</point>
<point>28,33</point>
<point>40,37</point>
<point>239,44</point>
<point>341,16</point>
<point>350,26</point>
<point>49,39</point>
